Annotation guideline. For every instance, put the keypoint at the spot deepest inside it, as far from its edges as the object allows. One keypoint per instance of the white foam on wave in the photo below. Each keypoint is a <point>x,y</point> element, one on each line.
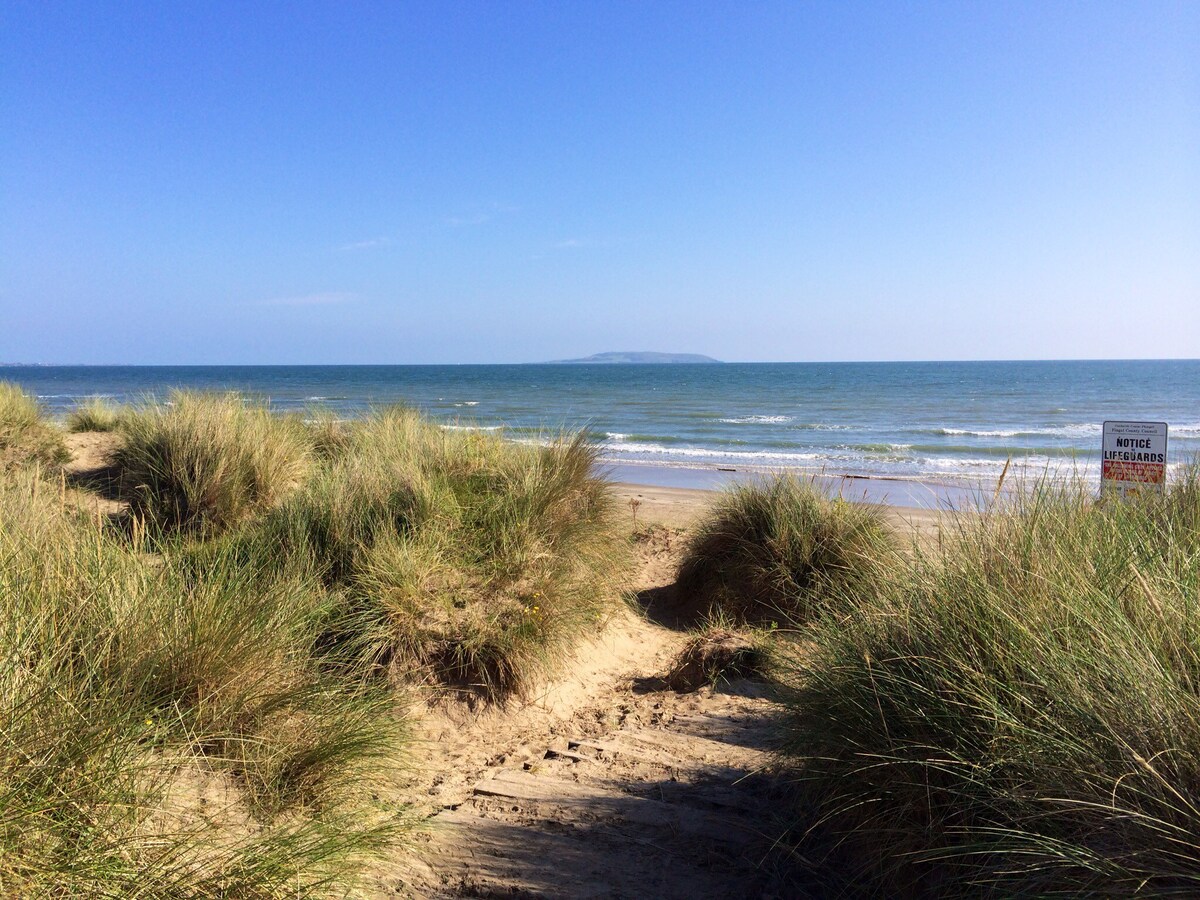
<point>757,420</point>
<point>652,449</point>
<point>889,458</point>
<point>786,420</point>
<point>982,463</point>
<point>1082,429</point>
<point>874,448</point>
<point>448,427</point>
<point>952,432</point>
<point>87,396</point>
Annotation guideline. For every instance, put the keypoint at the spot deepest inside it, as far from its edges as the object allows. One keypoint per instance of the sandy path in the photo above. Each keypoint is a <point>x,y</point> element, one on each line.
<point>88,476</point>
<point>608,784</point>
<point>669,797</point>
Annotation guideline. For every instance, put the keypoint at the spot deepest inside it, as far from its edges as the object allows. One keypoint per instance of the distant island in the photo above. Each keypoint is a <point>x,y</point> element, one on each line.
<point>615,358</point>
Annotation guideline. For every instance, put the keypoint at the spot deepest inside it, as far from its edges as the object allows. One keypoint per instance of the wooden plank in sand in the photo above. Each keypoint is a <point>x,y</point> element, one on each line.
<point>592,801</point>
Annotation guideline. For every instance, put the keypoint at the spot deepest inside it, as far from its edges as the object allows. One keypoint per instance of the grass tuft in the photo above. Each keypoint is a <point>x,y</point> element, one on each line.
<point>25,438</point>
<point>202,462</point>
<point>454,555</point>
<point>329,436</point>
<point>170,730</point>
<point>193,705</point>
<point>717,654</point>
<point>779,549</point>
<point>1018,714</point>
<point>94,414</point>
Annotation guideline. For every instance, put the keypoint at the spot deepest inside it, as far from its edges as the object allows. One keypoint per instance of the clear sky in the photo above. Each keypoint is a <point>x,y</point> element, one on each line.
<point>400,182</point>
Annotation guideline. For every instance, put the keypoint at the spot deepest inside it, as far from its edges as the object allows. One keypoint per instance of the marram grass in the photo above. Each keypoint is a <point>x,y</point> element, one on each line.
<point>202,463</point>
<point>25,438</point>
<point>453,555</point>
<point>202,703</point>
<point>1017,714</point>
<point>780,550</point>
<point>131,690</point>
<point>446,555</point>
<point>94,414</point>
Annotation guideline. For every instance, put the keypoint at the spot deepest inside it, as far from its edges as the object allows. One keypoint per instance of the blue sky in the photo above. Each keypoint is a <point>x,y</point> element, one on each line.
<point>508,182</point>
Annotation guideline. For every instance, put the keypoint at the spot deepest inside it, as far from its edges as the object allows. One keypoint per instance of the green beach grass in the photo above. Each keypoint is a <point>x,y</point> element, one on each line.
<point>199,698</point>
<point>446,555</point>
<point>127,684</point>
<point>94,414</point>
<point>25,438</point>
<point>201,463</point>
<point>454,556</point>
<point>780,550</point>
<point>1016,714</point>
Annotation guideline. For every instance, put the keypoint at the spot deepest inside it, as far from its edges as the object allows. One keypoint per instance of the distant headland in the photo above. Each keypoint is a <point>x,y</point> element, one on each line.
<point>616,358</point>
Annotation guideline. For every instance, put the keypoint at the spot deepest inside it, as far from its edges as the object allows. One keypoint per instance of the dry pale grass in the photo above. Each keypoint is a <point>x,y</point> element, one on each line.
<point>454,555</point>
<point>94,415</point>
<point>718,654</point>
<point>1017,714</point>
<point>203,462</point>
<point>25,438</point>
<point>780,550</point>
<point>121,672</point>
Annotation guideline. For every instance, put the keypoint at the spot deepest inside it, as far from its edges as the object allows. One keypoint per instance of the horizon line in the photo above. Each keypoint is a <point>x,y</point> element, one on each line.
<point>780,362</point>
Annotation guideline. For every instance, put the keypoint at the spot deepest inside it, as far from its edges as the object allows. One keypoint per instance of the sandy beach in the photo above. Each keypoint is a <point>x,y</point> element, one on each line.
<point>679,507</point>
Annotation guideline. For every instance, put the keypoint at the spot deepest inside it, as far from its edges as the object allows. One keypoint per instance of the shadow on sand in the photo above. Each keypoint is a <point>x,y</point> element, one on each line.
<point>713,826</point>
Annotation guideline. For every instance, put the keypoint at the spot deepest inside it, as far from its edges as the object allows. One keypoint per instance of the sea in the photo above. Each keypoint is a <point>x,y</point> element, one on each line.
<point>950,424</point>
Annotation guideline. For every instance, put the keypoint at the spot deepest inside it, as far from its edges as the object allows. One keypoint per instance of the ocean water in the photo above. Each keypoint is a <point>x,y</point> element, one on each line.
<point>938,422</point>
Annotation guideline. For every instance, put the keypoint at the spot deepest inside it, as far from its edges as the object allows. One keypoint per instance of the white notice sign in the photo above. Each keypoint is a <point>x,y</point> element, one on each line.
<point>1134,457</point>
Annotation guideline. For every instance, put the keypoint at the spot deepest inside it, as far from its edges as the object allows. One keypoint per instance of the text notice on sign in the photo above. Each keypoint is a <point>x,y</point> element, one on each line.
<point>1133,457</point>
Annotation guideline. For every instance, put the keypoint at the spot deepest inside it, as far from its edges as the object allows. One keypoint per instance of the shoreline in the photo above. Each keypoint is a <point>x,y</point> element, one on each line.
<point>678,508</point>
<point>911,494</point>
<point>877,429</point>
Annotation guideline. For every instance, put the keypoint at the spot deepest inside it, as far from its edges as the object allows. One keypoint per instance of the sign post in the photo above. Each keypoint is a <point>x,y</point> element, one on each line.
<point>1133,458</point>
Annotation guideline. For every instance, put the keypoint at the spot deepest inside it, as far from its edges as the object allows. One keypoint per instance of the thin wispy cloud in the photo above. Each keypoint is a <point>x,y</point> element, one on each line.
<point>461,221</point>
<point>483,216</point>
<point>368,244</point>
<point>578,243</point>
<point>331,298</point>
